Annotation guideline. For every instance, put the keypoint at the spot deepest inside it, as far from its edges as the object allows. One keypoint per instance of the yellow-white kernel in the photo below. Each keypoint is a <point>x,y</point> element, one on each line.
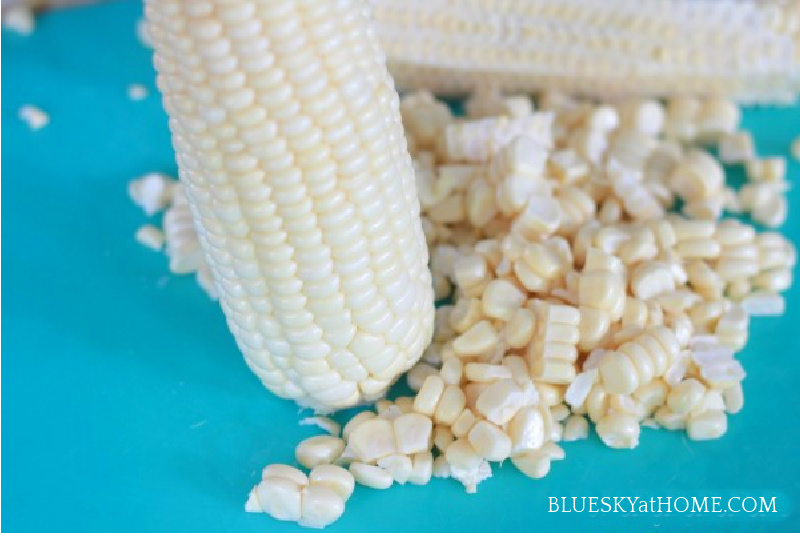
<point>483,372</point>
<point>501,299</point>
<point>422,468</point>
<point>321,505</point>
<point>651,279</point>
<point>466,464</point>
<point>371,476</point>
<point>490,441</point>
<point>652,395</point>
<point>412,432</point>
<point>150,237</point>
<point>554,371</point>
<point>534,464</point>
<point>539,218</point>
<point>285,471</point>
<point>576,427</point>
<point>527,429</point>
<point>685,396</point>
<point>717,117</point>
<point>450,405</point>
<point>770,169</point>
<point>452,371</point>
<point>500,401</point>
<point>372,439</point>
<point>478,339</point>
<point>773,280</point>
<point>428,396</point>
<point>335,478</point>
<point>463,423</point>
<point>667,419</point>
<point>567,166</point>
<point>707,425</point>
<point>736,147</point>
<point>518,331</point>
<point>398,466</point>
<point>550,394</point>
<point>469,270</point>
<point>418,374</point>
<point>315,451</point>
<point>734,398</point>
<point>618,373</point>
<point>698,248</point>
<point>279,497</point>
<point>559,412</point>
<point>619,430</point>
<point>442,437</point>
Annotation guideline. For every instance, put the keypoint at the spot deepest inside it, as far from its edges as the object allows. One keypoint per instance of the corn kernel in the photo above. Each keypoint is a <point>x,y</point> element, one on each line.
<point>619,430</point>
<point>372,439</point>
<point>706,426</point>
<point>335,478</point>
<point>490,441</point>
<point>371,476</point>
<point>320,450</point>
<point>500,401</point>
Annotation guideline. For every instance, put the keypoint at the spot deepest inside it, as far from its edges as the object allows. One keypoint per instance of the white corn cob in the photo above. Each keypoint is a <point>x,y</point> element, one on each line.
<point>290,147</point>
<point>745,49</point>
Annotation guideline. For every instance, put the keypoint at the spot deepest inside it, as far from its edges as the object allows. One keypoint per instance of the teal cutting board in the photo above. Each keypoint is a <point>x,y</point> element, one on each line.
<point>128,407</point>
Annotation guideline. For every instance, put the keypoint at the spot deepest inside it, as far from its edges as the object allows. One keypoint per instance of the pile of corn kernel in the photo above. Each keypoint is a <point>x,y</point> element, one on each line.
<point>576,290</point>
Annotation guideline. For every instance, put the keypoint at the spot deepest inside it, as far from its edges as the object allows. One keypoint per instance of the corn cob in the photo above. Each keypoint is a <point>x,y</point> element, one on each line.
<point>290,147</point>
<point>744,49</point>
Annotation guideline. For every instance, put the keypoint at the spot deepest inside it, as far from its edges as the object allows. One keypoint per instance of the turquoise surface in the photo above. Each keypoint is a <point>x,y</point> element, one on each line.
<point>129,409</point>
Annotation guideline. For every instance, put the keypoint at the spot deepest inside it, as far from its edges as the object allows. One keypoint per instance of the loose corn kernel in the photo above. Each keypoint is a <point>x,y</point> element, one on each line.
<point>619,430</point>
<point>335,478</point>
<point>422,468</point>
<point>463,423</point>
<point>734,398</point>
<point>450,405</point>
<point>490,441</point>
<point>418,374</point>
<point>707,425</point>
<point>650,279</point>
<point>398,466</point>
<point>501,299</point>
<point>442,437</point>
<point>483,372</point>
<point>685,396</point>
<point>428,396</point>
<point>764,304</point>
<point>519,329</point>
<point>529,429</point>
<point>371,476</point>
<point>770,169</point>
<point>452,371</point>
<point>500,401</point>
<point>150,237</point>
<point>559,412</point>
<point>736,147</point>
<point>478,339</point>
<point>576,427</point>
<point>534,464</point>
<point>315,451</point>
<point>279,497</point>
<point>372,439</point>
<point>412,432</point>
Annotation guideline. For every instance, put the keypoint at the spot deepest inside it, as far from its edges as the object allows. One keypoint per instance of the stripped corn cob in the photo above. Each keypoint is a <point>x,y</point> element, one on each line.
<point>744,49</point>
<point>290,147</point>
